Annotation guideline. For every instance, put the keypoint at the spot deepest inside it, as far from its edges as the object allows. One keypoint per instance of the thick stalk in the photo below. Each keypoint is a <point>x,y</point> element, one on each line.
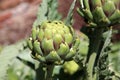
<point>95,38</point>
<point>95,46</point>
<point>40,73</point>
<point>49,72</point>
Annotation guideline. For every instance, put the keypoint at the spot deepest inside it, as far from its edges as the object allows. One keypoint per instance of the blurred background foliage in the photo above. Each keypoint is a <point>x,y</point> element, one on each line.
<point>16,19</point>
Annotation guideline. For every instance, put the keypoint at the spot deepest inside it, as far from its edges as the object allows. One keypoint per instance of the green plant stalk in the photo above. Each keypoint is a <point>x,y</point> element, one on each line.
<point>40,73</point>
<point>95,38</point>
<point>49,72</point>
<point>95,46</point>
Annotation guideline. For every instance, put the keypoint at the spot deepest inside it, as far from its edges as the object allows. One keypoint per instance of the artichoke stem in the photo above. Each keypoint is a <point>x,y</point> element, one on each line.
<point>95,38</point>
<point>40,73</point>
<point>49,72</point>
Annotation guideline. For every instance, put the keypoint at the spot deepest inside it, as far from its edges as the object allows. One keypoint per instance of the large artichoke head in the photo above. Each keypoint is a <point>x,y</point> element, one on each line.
<point>100,12</point>
<point>53,42</point>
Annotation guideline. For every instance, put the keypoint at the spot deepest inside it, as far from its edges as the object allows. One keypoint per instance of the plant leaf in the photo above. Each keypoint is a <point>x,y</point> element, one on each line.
<point>6,55</point>
<point>107,41</point>
<point>103,63</point>
<point>25,57</point>
<point>47,11</point>
<point>42,13</point>
<point>70,13</point>
<point>53,12</point>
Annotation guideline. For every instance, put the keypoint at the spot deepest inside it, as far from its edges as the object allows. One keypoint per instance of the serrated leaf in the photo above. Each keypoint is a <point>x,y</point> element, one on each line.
<point>26,58</point>
<point>6,55</point>
<point>107,41</point>
<point>70,13</point>
<point>42,13</point>
<point>20,70</point>
<point>53,12</point>
<point>47,11</point>
<point>25,54</point>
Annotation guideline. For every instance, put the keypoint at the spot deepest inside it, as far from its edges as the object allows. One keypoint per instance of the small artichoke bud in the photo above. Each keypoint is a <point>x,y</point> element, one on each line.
<point>71,67</point>
<point>53,42</point>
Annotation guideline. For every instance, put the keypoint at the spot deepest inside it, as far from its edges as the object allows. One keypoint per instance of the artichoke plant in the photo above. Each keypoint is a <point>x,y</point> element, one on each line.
<point>53,42</point>
<point>100,12</point>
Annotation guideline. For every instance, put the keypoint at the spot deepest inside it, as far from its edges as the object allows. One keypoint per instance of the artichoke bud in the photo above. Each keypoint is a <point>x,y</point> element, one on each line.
<point>52,56</point>
<point>37,48</point>
<point>53,42</point>
<point>63,50</point>
<point>71,67</point>
<point>29,43</point>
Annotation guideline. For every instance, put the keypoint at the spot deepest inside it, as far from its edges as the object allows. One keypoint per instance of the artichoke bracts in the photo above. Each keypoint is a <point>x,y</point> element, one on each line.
<point>53,42</point>
<point>100,12</point>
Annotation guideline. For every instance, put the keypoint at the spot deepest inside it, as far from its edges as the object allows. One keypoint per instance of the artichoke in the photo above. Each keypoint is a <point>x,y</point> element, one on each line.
<point>100,12</point>
<point>71,70</point>
<point>53,42</point>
